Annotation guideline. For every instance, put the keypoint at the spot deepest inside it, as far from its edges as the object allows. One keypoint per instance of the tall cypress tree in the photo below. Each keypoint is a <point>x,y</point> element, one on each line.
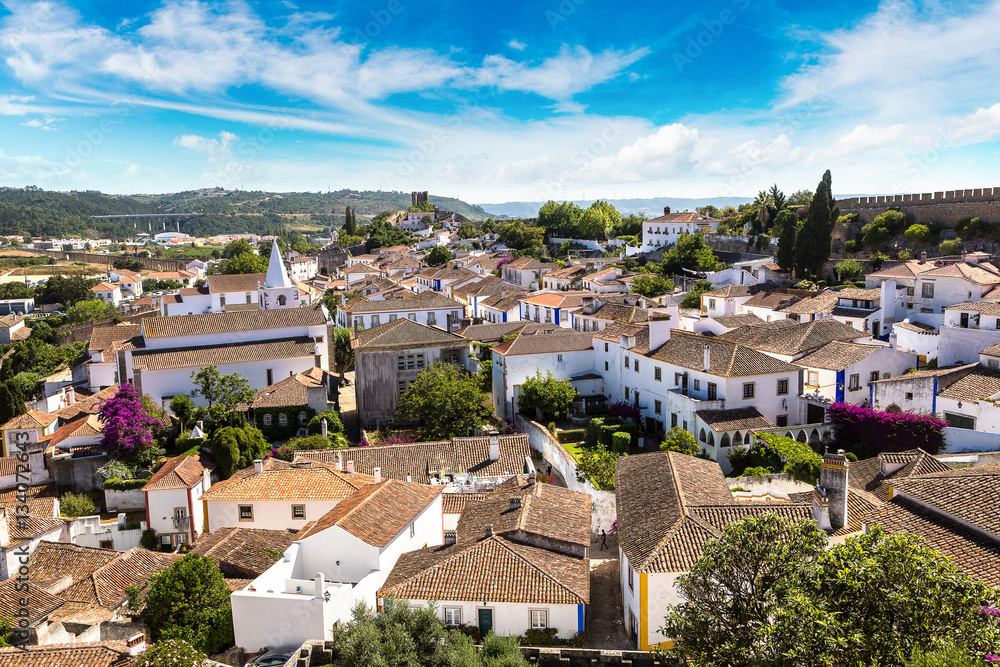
<point>813,242</point>
<point>350,224</point>
<point>787,224</point>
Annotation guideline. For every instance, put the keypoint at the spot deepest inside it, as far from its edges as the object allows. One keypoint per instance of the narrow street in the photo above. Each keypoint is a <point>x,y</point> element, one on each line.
<point>605,628</point>
<point>349,409</point>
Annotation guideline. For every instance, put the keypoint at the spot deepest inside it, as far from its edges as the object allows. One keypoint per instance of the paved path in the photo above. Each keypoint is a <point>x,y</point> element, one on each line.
<point>349,409</point>
<point>604,626</point>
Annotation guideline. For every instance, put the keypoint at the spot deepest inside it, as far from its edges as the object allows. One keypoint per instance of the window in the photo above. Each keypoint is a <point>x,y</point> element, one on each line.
<point>960,421</point>
<point>605,365</point>
<point>605,347</point>
<point>657,374</point>
<point>246,512</point>
<point>267,420</point>
<point>548,314</point>
<point>626,361</point>
<point>909,291</point>
<point>392,317</point>
<point>359,322</point>
<point>539,619</point>
<point>282,419</point>
<point>559,358</point>
<point>813,379</point>
<point>248,298</point>
<point>375,321</point>
<point>302,418</point>
<point>270,377</point>
<point>781,420</point>
<point>873,376</point>
<point>410,362</point>
<point>431,319</point>
<point>927,290</point>
<point>635,365</point>
<point>402,386</point>
<point>697,385</point>
<point>658,407</point>
<point>782,387</point>
<point>413,529</point>
<point>711,304</point>
<point>677,379</point>
<point>631,586</point>
<point>748,389</point>
<point>854,383</point>
<point>909,395</point>
<point>626,393</point>
<point>298,511</point>
<point>222,300</point>
<point>673,419</point>
<point>993,363</point>
<point>536,315</point>
<point>282,300</point>
<point>713,391</point>
<point>412,316</point>
<point>453,616</point>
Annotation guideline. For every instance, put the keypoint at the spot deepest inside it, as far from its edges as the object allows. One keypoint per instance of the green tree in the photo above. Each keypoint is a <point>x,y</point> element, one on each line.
<point>183,408</point>
<point>883,227</point>
<point>918,234</point>
<point>90,310</point>
<point>226,390</point>
<point>598,464</point>
<point>447,402</point>
<point>787,224</point>
<point>75,505</point>
<point>769,593</point>
<point>350,222</point>
<point>680,441</point>
<point>247,262</point>
<point>237,447</point>
<point>343,353</point>
<point>238,247</point>
<point>206,383</point>
<point>66,290</point>
<point>560,219</point>
<point>813,242</point>
<point>693,297</point>
<point>550,396</point>
<point>691,253</point>
<point>849,269</point>
<point>171,653</point>
<point>16,290</point>
<point>438,256</point>
<point>952,247</point>
<point>520,236</point>
<point>800,198</point>
<point>651,285</point>
<point>188,601</point>
<point>44,332</point>
<point>599,218</point>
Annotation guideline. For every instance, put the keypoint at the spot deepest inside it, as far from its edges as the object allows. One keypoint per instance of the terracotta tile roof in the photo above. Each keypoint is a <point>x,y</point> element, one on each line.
<point>614,331</point>
<point>103,287</point>
<point>541,509</point>
<point>8,466</point>
<point>23,528</point>
<point>103,654</point>
<point>83,425</point>
<point>972,552</point>
<point>905,270</point>
<point>735,321</point>
<point>977,274</point>
<point>48,490</point>
<point>251,320</point>
<point>502,302</point>
<point>406,301</point>
<point>102,338</point>
<point>837,355</point>
<point>771,300</point>
<point>39,506</point>
<point>794,339</point>
<point>455,503</point>
<point>180,472</point>
<point>246,552</point>
<point>529,263</point>
<point>89,405</point>
<point>313,482</point>
<point>720,516</point>
<point>680,216</point>
<point>377,513</point>
<point>543,342</point>
<point>567,272</point>
<point>919,327</point>
<point>237,282</point>
<point>404,331</point>
<point>31,419</point>
<point>292,391</point>
<point>493,569</point>
<point>423,461</point>
<point>982,383</point>
<point>735,419</point>
<point>232,353</point>
<point>983,307</point>
<point>726,358</point>
<point>824,302</point>
<point>733,291</point>
<point>556,299</point>
<point>866,475</point>
<point>618,312</point>
<point>971,495</point>
<point>490,332</point>
<point>40,602</point>
<point>670,504</point>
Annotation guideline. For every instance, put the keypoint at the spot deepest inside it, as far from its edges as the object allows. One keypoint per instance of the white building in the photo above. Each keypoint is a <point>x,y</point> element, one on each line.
<point>429,308</point>
<point>842,372</point>
<point>666,229</point>
<point>303,268</point>
<point>340,559</point>
<point>109,293</point>
<point>173,499</point>
<point>276,495</point>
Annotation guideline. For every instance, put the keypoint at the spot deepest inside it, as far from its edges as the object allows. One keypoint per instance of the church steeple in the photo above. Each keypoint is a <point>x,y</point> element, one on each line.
<point>276,275</point>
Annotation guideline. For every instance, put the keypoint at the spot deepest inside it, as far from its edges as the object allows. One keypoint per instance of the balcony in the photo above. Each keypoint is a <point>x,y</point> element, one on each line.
<point>182,524</point>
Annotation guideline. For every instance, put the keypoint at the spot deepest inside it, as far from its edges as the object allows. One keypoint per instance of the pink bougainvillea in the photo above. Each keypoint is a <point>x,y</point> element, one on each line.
<point>128,428</point>
<point>625,410</point>
<point>884,431</point>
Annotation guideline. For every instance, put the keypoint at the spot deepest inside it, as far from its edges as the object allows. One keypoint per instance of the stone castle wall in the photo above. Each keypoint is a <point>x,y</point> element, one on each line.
<point>946,208</point>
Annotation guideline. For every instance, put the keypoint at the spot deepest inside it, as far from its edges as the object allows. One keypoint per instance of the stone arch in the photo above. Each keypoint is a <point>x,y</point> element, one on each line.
<point>746,438</point>
<point>282,300</point>
<point>894,409</point>
<point>814,436</point>
<point>801,437</point>
<point>788,434</point>
<point>711,438</point>
<point>737,438</point>
<point>701,436</point>
<point>724,440</point>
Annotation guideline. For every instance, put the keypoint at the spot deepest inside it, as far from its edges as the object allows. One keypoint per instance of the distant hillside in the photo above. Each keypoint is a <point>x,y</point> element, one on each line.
<point>651,207</point>
<point>34,212</point>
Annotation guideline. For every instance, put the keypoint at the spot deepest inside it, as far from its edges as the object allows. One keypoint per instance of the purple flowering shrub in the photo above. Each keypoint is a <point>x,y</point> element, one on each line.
<point>128,429</point>
<point>874,431</point>
<point>625,410</point>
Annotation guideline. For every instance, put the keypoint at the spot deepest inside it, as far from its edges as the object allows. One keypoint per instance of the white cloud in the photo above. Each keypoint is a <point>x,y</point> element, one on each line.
<point>223,168</point>
<point>517,45</point>
<point>984,124</point>
<point>864,138</point>
<point>14,105</point>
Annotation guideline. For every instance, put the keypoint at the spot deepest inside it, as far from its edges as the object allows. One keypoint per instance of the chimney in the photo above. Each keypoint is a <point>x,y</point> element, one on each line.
<point>887,302</point>
<point>258,465</point>
<point>136,644</point>
<point>350,467</point>
<point>450,537</point>
<point>666,210</point>
<point>338,463</point>
<point>964,254</point>
<point>494,438</point>
<point>515,503</point>
<point>923,257</point>
<point>489,530</point>
<point>409,478</point>
<point>319,584</point>
<point>377,474</point>
<point>708,358</point>
<point>830,495</point>
<point>659,328</point>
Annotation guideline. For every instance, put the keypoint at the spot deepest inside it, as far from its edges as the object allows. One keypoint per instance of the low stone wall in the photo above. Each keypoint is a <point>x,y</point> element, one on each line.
<point>541,440</point>
<point>779,483</point>
<point>316,653</point>
<point>961,440</point>
<point>134,499</point>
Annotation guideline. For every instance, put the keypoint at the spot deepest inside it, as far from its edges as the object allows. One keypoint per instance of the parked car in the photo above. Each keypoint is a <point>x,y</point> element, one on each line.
<point>276,657</point>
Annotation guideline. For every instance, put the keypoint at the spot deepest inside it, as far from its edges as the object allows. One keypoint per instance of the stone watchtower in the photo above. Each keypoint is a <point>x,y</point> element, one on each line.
<point>830,495</point>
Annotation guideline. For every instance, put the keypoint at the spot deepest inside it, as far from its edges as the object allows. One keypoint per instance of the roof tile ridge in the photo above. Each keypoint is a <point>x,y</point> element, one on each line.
<point>677,483</point>
<point>508,545</point>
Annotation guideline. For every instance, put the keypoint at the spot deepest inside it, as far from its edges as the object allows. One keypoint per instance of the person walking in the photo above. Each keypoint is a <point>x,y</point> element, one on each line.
<point>604,540</point>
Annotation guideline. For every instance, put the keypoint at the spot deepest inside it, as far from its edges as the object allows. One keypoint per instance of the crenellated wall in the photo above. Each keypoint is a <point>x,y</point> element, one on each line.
<point>946,208</point>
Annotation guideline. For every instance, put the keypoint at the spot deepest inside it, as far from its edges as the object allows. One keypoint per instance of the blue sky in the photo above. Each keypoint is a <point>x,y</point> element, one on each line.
<point>497,102</point>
